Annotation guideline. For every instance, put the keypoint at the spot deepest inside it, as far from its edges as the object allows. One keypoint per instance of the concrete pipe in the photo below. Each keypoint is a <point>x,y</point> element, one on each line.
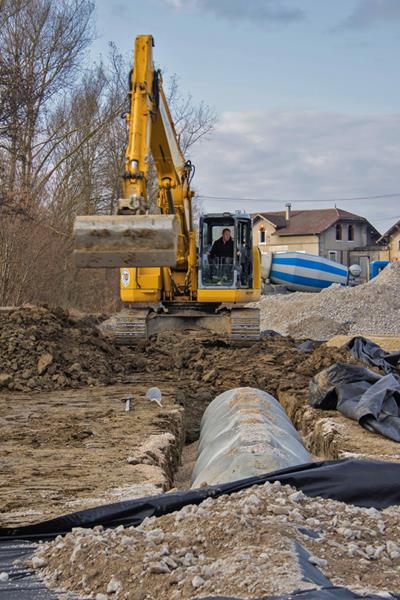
<point>245,432</point>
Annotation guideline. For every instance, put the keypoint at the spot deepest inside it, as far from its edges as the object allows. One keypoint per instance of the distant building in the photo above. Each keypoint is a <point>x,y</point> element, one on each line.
<point>332,232</point>
<point>391,241</point>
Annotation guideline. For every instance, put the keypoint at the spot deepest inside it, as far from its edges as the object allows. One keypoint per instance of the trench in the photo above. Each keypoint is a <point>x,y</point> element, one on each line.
<point>194,411</point>
<point>327,435</point>
<point>68,450</point>
<point>182,480</point>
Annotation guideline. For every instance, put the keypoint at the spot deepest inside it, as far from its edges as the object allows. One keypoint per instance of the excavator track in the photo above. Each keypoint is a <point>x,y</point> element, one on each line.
<point>245,325</point>
<point>240,325</point>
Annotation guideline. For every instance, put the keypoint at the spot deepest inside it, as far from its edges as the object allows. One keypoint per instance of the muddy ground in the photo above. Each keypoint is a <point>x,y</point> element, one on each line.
<point>67,439</point>
<point>72,450</point>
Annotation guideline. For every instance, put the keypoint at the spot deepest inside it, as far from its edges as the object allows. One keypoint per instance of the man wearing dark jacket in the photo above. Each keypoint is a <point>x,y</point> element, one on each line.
<point>223,248</point>
<point>220,256</point>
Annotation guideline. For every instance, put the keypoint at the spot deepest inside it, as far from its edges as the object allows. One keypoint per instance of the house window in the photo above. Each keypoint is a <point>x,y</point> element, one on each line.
<point>351,233</point>
<point>261,233</point>
<point>338,231</point>
<point>333,255</point>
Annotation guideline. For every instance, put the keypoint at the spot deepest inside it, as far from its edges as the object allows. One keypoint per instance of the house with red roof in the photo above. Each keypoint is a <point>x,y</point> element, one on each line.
<point>334,233</point>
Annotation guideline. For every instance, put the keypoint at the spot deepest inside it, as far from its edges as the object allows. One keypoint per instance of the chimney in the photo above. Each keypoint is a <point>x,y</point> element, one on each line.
<point>287,211</point>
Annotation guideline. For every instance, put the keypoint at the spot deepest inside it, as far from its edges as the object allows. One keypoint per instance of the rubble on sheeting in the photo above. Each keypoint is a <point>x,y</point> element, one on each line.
<point>241,545</point>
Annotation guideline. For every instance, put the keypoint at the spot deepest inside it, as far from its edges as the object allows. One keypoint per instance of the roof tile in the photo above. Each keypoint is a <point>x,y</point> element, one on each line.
<point>308,222</point>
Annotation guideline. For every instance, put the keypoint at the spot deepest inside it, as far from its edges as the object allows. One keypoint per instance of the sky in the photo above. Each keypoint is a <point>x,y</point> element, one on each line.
<point>307,94</point>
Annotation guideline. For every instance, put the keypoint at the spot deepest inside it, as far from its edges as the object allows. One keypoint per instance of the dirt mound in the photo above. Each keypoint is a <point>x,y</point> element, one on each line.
<point>371,308</point>
<point>239,545</point>
<point>43,349</point>
<point>205,367</point>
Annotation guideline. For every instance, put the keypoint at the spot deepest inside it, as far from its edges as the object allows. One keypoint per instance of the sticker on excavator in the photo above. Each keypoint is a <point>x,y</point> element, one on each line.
<point>125,241</point>
<point>125,277</point>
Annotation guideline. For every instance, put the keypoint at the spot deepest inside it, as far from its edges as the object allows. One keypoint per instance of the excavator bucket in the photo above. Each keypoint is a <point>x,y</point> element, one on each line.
<point>125,241</point>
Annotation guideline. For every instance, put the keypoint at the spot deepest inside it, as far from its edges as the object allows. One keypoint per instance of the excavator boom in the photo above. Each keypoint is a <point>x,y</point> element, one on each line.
<point>133,237</point>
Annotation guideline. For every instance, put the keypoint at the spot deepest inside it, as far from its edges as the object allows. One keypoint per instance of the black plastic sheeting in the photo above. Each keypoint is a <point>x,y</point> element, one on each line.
<point>360,394</point>
<point>362,483</point>
<point>371,353</point>
<point>307,346</point>
<point>22,584</point>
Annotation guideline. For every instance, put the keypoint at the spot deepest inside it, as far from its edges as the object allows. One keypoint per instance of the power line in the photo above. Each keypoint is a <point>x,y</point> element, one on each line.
<point>296,201</point>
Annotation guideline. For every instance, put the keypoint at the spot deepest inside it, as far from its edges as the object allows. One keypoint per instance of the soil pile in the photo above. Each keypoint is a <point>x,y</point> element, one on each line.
<point>371,308</point>
<point>240,545</point>
<point>204,367</point>
<point>46,349</point>
<point>43,349</point>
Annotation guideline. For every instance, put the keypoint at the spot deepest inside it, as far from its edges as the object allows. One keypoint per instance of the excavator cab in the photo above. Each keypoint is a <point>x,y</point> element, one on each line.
<point>225,252</point>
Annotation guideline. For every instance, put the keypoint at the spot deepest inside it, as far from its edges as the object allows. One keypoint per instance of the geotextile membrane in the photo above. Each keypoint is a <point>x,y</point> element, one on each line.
<point>361,483</point>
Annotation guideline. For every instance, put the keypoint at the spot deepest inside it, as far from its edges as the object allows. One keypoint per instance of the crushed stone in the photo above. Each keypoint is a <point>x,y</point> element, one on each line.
<point>239,545</point>
<point>370,308</point>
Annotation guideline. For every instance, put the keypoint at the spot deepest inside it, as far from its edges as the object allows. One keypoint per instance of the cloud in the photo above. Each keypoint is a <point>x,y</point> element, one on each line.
<point>292,154</point>
<point>249,10</point>
<point>178,4</point>
<point>368,13</point>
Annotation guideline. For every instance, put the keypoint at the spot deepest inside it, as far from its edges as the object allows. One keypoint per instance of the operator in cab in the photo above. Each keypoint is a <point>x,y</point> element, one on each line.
<point>223,248</point>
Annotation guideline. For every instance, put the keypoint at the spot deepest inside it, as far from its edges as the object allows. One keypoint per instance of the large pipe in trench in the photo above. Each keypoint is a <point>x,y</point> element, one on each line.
<point>245,432</point>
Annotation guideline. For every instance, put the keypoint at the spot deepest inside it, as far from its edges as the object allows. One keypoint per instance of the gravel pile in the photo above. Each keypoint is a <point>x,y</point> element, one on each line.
<point>371,308</point>
<point>238,545</point>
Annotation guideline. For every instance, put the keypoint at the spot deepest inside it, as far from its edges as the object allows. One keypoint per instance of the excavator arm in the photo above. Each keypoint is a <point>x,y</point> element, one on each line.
<point>136,237</point>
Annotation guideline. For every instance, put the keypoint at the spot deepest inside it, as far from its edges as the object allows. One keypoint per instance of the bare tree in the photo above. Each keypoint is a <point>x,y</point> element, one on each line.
<point>88,163</point>
<point>62,147</point>
<point>42,42</point>
<point>192,121</point>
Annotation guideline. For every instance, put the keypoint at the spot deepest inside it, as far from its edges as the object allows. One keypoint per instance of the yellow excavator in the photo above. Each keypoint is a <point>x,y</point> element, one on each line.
<point>170,277</point>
